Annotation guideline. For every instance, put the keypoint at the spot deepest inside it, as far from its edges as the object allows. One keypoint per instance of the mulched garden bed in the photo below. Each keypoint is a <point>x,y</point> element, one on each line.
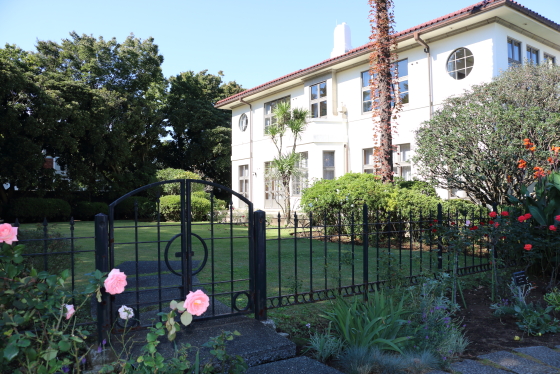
<point>488,333</point>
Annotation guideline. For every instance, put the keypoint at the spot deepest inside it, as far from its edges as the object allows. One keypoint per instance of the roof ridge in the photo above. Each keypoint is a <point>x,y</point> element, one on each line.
<point>408,31</point>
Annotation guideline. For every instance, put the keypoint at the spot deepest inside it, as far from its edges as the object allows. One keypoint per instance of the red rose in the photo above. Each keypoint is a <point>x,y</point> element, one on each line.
<point>552,228</point>
<point>490,222</point>
<point>473,228</point>
<point>521,218</point>
<point>434,230</point>
<point>528,247</point>
<point>504,214</point>
<point>493,214</point>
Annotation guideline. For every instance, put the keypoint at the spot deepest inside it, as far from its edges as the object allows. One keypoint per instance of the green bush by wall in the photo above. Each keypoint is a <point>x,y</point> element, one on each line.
<point>34,209</point>
<point>86,210</point>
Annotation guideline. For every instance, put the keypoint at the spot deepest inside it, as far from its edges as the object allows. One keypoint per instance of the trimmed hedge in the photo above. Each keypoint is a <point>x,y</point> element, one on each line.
<point>146,208</point>
<point>86,210</point>
<point>170,206</point>
<point>35,209</point>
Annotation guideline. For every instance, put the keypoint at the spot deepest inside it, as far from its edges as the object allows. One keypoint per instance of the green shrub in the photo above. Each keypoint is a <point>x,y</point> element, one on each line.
<point>200,208</point>
<point>34,209</point>
<point>170,207</point>
<point>175,188</point>
<point>420,186</point>
<point>146,208</point>
<point>35,243</point>
<point>86,210</point>
<point>463,207</point>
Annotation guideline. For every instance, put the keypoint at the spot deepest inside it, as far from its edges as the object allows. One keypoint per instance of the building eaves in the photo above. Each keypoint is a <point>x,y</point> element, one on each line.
<point>401,36</point>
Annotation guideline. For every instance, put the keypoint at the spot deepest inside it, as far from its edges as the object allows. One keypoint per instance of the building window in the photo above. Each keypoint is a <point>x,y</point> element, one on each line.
<point>532,55</point>
<point>318,97</point>
<point>400,86</point>
<point>549,60</point>
<point>243,121</point>
<point>269,108</point>
<point>328,164</point>
<point>299,181</point>
<point>401,161</point>
<point>460,63</point>
<point>514,52</point>
<point>271,188</point>
<point>243,183</point>
<point>368,167</point>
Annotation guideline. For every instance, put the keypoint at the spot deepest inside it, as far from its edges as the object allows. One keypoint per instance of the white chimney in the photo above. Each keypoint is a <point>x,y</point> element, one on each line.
<point>342,40</point>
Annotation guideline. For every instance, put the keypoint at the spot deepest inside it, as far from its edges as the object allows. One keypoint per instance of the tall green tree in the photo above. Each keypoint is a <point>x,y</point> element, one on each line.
<point>382,45</point>
<point>285,164</point>
<point>475,141</point>
<point>200,134</point>
<point>113,93</point>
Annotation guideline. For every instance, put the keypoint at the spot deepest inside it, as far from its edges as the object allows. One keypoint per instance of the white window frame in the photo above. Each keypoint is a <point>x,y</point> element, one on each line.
<point>512,60</point>
<point>328,168</point>
<point>300,182</point>
<point>460,65</point>
<point>243,184</point>
<point>271,189</point>
<point>268,108</point>
<point>319,100</point>
<point>549,59</point>
<point>368,167</point>
<point>399,162</point>
<point>529,52</point>
<point>366,76</point>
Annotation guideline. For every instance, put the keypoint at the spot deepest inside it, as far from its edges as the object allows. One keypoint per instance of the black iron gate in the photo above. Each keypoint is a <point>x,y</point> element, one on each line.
<point>175,236</point>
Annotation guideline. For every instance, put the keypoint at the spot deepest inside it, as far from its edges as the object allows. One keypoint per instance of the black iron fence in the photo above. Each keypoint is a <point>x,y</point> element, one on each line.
<point>319,256</point>
<point>323,255</point>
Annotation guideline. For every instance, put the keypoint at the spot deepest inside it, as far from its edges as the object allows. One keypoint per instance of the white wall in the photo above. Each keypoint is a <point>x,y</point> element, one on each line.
<point>355,130</point>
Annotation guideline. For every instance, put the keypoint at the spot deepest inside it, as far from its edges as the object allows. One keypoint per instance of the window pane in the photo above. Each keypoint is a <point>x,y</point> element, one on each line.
<point>366,95</point>
<point>460,53</point>
<point>402,66</point>
<point>323,89</point>
<point>461,74</point>
<point>314,110</point>
<point>365,79</point>
<point>328,159</point>
<point>404,98</point>
<point>460,64</point>
<point>517,51</point>
<point>366,106</point>
<point>470,61</point>
<point>451,66</point>
<point>323,108</point>
<point>328,174</point>
<point>368,156</point>
<point>314,92</point>
<point>266,123</point>
<point>267,108</point>
<point>510,49</point>
<point>406,173</point>
<point>405,152</point>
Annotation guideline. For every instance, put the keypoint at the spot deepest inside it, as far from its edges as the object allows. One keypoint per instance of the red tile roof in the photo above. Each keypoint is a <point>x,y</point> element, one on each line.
<point>473,9</point>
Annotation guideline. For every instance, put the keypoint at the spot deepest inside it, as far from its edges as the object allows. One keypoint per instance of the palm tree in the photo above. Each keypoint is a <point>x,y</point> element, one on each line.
<point>286,164</point>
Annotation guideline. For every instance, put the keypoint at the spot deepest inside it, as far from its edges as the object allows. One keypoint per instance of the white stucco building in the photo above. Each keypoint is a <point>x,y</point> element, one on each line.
<point>437,59</point>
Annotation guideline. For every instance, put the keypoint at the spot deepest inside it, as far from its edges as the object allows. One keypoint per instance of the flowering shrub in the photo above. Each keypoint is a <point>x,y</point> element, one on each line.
<point>40,329</point>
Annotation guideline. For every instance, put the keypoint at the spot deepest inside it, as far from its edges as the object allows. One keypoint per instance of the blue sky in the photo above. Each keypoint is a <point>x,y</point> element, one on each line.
<point>251,41</point>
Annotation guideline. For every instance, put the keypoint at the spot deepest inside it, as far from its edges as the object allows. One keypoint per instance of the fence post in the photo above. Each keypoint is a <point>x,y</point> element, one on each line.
<point>102,264</point>
<point>259,264</point>
<point>365,241</point>
<point>440,248</point>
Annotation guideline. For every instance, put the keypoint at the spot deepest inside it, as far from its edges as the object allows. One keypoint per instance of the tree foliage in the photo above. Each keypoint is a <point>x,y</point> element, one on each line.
<point>475,141</point>
<point>200,134</point>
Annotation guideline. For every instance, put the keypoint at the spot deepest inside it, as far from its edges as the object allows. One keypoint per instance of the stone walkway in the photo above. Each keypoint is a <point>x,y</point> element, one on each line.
<point>531,360</point>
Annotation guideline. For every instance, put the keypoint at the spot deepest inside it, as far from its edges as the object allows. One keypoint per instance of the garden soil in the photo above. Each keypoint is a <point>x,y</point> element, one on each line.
<point>488,333</point>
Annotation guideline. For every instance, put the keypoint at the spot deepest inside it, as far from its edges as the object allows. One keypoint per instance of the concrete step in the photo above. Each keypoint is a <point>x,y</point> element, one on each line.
<point>296,365</point>
<point>258,344</point>
<point>475,367</point>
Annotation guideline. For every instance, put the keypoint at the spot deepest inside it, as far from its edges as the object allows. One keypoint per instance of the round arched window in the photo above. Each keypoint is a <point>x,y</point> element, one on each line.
<point>243,121</point>
<point>460,63</point>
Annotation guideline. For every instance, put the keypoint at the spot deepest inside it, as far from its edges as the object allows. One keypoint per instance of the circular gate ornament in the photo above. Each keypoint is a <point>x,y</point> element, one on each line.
<point>196,270</point>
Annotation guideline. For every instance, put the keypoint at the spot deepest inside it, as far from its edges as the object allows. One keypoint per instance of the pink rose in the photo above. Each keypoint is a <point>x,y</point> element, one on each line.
<point>8,233</point>
<point>197,302</point>
<point>115,282</point>
<point>125,312</point>
<point>69,310</point>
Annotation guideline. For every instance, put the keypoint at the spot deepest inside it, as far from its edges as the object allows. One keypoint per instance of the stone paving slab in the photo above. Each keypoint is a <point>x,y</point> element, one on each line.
<point>544,354</point>
<point>474,367</point>
<point>296,365</point>
<point>518,364</point>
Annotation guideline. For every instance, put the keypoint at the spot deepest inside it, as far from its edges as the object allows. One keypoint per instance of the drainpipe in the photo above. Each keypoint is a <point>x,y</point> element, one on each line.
<point>334,93</point>
<point>250,148</point>
<point>430,85</point>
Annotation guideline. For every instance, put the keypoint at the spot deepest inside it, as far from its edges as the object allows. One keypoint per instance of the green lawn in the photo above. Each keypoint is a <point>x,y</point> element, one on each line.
<point>294,264</point>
